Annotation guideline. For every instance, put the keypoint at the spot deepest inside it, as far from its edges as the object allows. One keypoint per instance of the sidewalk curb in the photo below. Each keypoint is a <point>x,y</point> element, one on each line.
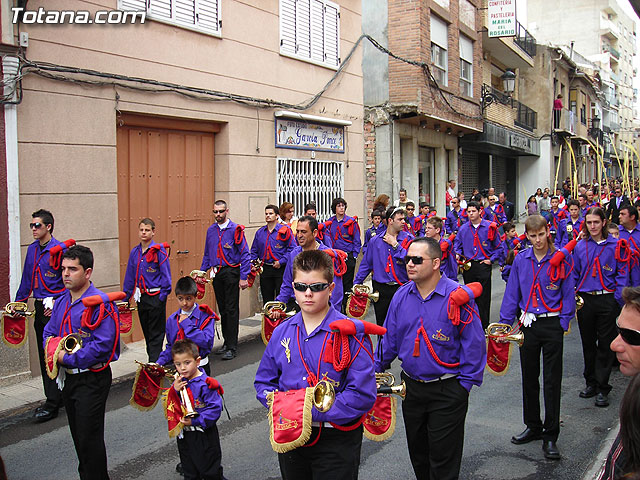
<point>597,463</point>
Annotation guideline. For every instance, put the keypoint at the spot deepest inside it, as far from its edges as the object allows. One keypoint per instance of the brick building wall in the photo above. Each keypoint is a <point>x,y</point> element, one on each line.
<point>370,163</point>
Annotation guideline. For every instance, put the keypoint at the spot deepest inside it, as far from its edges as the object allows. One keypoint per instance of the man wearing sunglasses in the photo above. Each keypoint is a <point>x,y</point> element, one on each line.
<point>448,264</point>
<point>44,282</point>
<point>456,217</point>
<point>627,349</point>
<point>441,360</point>
<point>385,258</point>
<point>227,254</point>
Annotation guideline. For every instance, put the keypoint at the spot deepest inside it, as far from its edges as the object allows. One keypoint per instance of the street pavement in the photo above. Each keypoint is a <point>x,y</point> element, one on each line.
<point>139,448</point>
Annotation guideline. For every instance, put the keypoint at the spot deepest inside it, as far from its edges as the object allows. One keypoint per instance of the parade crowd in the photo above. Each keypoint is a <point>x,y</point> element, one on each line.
<point>319,377</point>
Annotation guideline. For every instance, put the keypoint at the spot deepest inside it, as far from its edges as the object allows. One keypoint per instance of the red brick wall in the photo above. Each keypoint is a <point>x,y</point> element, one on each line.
<point>370,163</point>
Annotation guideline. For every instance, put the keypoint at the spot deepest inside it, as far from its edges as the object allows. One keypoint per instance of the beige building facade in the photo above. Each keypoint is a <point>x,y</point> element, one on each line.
<point>247,102</point>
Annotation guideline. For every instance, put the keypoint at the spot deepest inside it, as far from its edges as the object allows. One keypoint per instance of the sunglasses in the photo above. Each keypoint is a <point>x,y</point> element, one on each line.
<point>219,211</point>
<point>630,336</point>
<point>314,287</point>
<point>415,260</point>
<point>35,225</point>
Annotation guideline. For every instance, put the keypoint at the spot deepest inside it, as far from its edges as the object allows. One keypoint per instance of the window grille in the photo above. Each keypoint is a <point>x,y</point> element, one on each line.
<point>304,181</point>
<point>200,15</point>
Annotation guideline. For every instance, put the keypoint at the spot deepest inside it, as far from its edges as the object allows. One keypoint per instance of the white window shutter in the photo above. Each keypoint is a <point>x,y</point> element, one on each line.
<point>332,34</point>
<point>317,31</point>
<point>288,27</point>
<point>208,15</point>
<point>303,33</point>
<point>160,9</point>
<point>132,5</point>
<point>185,12</point>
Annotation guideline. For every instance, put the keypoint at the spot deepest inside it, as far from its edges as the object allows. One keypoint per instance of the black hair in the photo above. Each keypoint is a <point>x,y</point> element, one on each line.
<point>633,211</point>
<point>46,216</point>
<point>82,254</point>
<point>310,206</point>
<point>474,204</point>
<point>605,223</point>
<point>275,209</point>
<point>377,213</point>
<point>221,202</point>
<point>433,246</point>
<point>186,286</point>
<point>629,432</point>
<point>392,212</point>
<point>314,260</point>
<point>337,201</point>
<point>573,202</point>
<point>313,223</point>
<point>506,226</point>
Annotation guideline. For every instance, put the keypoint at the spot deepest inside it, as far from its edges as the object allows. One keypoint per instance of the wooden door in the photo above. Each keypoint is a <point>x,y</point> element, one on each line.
<point>165,172</point>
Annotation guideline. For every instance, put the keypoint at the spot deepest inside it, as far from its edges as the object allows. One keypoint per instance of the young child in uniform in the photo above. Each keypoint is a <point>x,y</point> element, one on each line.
<point>199,442</point>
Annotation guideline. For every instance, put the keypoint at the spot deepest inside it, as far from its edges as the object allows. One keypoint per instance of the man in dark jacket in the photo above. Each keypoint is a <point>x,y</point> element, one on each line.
<point>507,205</point>
<point>615,204</point>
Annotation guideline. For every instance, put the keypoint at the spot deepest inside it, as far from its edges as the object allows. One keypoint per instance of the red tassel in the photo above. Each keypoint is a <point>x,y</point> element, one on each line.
<point>328,350</point>
<point>416,346</point>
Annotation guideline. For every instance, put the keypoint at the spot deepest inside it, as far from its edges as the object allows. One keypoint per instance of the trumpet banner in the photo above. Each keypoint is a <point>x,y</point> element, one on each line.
<point>51,350</point>
<point>201,290</point>
<point>269,325</point>
<point>380,422</point>
<point>146,388</point>
<point>358,304</point>
<point>289,418</point>
<point>126,319</point>
<point>498,356</point>
<point>174,411</point>
<point>251,278</point>
<point>14,330</point>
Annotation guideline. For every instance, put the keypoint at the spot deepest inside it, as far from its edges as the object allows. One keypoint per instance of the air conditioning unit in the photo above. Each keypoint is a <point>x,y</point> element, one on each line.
<point>584,151</point>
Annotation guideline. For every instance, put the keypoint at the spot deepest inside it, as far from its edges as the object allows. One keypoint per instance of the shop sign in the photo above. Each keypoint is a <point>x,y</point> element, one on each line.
<point>302,135</point>
<point>502,18</point>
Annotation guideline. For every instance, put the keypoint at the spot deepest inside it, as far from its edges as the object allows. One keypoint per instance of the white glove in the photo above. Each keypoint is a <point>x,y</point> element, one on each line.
<point>62,374</point>
<point>137,294</point>
<point>527,318</point>
<point>47,303</point>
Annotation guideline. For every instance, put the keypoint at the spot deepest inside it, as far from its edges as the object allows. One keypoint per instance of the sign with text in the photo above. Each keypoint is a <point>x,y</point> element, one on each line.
<point>502,18</point>
<point>303,135</point>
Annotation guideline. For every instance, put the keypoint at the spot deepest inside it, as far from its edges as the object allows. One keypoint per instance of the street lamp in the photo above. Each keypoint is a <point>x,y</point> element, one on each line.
<point>594,131</point>
<point>508,86</point>
<point>508,82</point>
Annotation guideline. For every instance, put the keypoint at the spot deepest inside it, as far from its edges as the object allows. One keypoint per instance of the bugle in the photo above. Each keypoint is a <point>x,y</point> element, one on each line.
<point>271,307</point>
<point>186,401</point>
<point>200,275</point>
<point>501,332</point>
<point>17,308</point>
<point>365,290</point>
<point>386,385</point>
<point>579,302</point>
<point>464,264</point>
<point>323,395</point>
<point>256,265</point>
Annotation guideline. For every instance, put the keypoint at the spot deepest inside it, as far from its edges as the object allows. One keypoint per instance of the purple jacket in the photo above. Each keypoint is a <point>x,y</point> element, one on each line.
<point>199,327</point>
<point>38,277</point>
<point>345,234</point>
<point>102,340</point>
<point>356,390</point>
<point>148,275</point>
<point>226,248</point>
<point>386,262</point>
<point>286,289</point>
<point>530,289</point>
<point>464,343</point>
<point>611,274</point>
<point>206,401</point>
<point>371,233</point>
<point>474,244</point>
<point>449,264</point>
<point>455,220</point>
<point>273,245</point>
<point>634,242</point>
<point>496,215</point>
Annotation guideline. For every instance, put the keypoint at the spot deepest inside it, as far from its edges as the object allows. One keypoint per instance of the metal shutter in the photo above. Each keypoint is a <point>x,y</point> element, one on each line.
<point>468,172</point>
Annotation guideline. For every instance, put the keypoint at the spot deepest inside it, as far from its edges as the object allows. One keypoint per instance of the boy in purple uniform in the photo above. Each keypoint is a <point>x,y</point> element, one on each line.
<point>377,228</point>
<point>494,212</point>
<point>479,241</point>
<point>385,258</point>
<point>323,235</point>
<point>44,282</point>
<point>345,234</point>
<point>556,217</point>
<point>456,217</point>
<point>148,279</point>
<point>192,321</point>
<point>630,231</point>
<point>569,228</point>
<point>600,277</point>
<point>441,361</point>
<point>302,363</point>
<point>199,441</point>
<point>413,224</point>
<point>227,254</point>
<point>306,236</point>
<point>548,306</point>
<point>271,245</point>
<point>448,263</point>
<point>85,374</point>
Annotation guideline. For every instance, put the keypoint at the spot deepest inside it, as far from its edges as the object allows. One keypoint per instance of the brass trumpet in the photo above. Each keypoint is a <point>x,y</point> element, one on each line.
<point>257,266</point>
<point>72,342</point>
<point>386,385</point>
<point>275,305</point>
<point>200,274</point>
<point>169,372</point>
<point>365,290</point>
<point>464,264</point>
<point>122,305</point>
<point>503,331</point>
<point>579,302</point>
<point>17,308</point>
<point>186,401</point>
<point>323,395</point>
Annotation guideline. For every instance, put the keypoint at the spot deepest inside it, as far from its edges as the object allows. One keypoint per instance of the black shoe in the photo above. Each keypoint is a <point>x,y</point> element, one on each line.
<point>220,351</point>
<point>602,400</point>
<point>550,450</point>
<point>229,355</point>
<point>527,436</point>
<point>45,415</point>
<point>588,392</point>
<point>179,469</point>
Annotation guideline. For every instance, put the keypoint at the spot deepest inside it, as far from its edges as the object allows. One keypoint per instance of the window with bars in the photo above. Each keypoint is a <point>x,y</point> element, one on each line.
<point>310,31</point>
<point>200,15</point>
<point>305,181</point>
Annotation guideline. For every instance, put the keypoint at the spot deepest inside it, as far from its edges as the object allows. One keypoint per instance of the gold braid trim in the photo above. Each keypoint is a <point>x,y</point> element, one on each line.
<point>306,424</point>
<point>133,403</point>
<point>506,369</point>
<point>175,431</point>
<point>24,340</point>
<point>366,309</point>
<point>392,428</point>
<point>262,333</point>
<point>53,373</point>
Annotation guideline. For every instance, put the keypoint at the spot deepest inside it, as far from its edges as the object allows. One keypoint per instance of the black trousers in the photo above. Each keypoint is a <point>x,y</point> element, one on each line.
<point>270,282</point>
<point>597,322</point>
<point>85,399</point>
<point>545,336</point>
<point>480,272</point>
<point>51,390</point>
<point>381,307</point>
<point>434,415</point>
<point>201,455</point>
<point>336,455</point>
<point>153,320</point>
<point>226,286</point>
<point>347,279</point>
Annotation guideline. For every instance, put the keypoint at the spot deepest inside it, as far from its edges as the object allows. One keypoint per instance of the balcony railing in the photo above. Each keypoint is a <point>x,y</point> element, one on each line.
<point>526,117</point>
<point>525,40</point>
<point>567,121</point>
<point>608,48</point>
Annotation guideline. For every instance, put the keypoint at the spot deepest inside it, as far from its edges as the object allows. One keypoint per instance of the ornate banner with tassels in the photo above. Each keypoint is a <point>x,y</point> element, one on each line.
<point>289,418</point>
<point>380,422</point>
<point>147,386</point>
